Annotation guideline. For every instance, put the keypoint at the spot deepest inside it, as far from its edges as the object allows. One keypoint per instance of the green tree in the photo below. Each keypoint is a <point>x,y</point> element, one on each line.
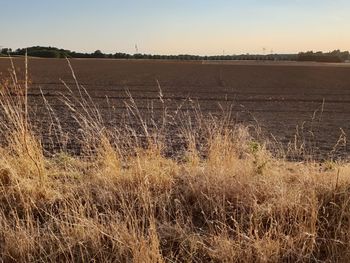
<point>98,54</point>
<point>5,51</point>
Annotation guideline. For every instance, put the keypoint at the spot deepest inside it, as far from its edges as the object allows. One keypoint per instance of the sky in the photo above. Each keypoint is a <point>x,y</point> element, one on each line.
<point>202,27</point>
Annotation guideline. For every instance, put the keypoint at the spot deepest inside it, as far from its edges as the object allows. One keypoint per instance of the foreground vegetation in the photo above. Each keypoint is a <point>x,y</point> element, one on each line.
<point>224,199</point>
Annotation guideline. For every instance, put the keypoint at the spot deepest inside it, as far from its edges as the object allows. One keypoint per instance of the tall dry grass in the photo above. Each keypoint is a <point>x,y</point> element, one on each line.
<point>226,199</point>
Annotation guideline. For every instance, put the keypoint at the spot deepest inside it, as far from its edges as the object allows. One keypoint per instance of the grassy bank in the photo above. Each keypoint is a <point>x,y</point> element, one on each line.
<point>126,201</point>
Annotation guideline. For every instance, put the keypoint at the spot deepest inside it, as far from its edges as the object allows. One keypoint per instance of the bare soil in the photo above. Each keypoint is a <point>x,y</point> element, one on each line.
<point>307,101</point>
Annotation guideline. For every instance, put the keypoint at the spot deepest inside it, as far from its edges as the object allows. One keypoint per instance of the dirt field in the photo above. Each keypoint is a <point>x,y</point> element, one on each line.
<point>280,97</point>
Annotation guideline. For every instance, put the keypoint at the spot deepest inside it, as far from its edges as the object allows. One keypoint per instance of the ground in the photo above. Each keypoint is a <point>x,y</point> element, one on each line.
<point>307,101</point>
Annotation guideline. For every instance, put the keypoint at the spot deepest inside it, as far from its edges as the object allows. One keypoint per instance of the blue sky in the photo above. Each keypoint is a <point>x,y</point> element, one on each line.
<point>177,26</point>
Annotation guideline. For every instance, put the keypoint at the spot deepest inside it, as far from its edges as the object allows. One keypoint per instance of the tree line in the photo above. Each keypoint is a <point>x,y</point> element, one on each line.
<point>53,52</point>
<point>334,56</point>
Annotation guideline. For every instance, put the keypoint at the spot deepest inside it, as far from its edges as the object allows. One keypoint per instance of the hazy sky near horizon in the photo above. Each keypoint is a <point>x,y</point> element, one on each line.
<point>177,26</point>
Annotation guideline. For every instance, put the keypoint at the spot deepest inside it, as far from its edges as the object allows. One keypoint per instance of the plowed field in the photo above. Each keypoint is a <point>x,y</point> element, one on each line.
<point>278,96</point>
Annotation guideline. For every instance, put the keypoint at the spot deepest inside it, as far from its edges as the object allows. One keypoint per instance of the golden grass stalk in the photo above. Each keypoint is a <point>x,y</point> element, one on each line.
<point>226,200</point>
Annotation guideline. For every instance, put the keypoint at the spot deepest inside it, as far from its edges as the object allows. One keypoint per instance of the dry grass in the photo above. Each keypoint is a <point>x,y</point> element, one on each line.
<point>235,203</point>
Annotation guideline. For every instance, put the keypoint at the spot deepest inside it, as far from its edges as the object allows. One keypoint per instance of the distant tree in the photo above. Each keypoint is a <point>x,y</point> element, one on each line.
<point>345,55</point>
<point>44,53</point>
<point>5,51</point>
<point>98,54</point>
